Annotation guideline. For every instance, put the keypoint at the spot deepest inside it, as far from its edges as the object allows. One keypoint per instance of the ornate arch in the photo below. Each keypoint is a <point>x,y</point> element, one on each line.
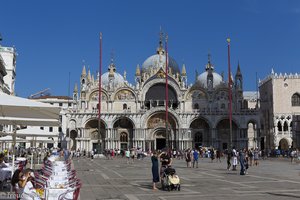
<point>92,119</point>
<point>116,118</point>
<point>153,82</point>
<point>295,99</point>
<point>195,94</point>
<point>155,110</point>
<point>202,118</point>
<point>72,124</point>
<point>222,118</point>
<point>94,95</point>
<point>124,93</point>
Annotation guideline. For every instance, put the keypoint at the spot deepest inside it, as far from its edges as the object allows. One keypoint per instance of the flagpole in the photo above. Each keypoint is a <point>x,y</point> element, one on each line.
<point>230,95</point>
<point>99,101</point>
<point>167,94</point>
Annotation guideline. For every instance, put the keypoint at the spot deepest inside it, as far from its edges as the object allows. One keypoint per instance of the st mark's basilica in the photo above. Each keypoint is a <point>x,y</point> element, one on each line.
<point>133,115</point>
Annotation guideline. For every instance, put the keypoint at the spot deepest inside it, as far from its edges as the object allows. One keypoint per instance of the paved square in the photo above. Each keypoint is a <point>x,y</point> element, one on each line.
<point>115,179</point>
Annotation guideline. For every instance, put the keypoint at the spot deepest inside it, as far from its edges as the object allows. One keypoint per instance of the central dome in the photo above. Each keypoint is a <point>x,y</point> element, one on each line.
<point>158,61</point>
<point>217,79</point>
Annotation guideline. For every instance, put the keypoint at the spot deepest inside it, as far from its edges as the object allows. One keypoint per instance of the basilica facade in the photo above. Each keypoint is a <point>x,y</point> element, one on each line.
<point>133,115</point>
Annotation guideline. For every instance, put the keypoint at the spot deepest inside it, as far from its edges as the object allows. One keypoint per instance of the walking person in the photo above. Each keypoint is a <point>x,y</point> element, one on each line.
<point>155,173</point>
<point>234,159</point>
<point>228,160</point>
<point>195,158</point>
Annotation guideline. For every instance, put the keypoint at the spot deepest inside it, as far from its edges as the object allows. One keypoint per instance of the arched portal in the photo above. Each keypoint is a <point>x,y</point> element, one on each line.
<point>283,144</point>
<point>200,133</point>
<point>223,135</point>
<point>97,138</point>
<point>162,137</point>
<point>124,140</point>
<point>73,136</point>
<point>122,132</point>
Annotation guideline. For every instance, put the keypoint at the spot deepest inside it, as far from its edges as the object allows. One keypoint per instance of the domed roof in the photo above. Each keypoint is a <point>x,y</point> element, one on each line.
<point>118,78</point>
<point>217,79</point>
<point>159,61</point>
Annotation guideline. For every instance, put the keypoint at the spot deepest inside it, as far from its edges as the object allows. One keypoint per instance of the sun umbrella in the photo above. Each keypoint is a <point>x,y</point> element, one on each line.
<point>20,111</point>
<point>9,138</point>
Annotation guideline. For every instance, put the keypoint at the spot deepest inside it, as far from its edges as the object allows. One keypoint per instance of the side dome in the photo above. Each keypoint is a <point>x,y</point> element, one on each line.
<point>202,79</point>
<point>159,61</point>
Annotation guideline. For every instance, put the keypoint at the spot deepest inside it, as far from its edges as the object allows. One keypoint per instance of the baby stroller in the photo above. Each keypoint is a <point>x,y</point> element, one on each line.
<point>170,180</point>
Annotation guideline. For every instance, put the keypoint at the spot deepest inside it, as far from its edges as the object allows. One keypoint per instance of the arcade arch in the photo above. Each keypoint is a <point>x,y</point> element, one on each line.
<point>223,135</point>
<point>91,130</point>
<point>200,132</point>
<point>122,134</point>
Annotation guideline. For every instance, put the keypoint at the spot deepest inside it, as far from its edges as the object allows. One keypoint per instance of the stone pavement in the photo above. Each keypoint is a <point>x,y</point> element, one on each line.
<point>115,179</point>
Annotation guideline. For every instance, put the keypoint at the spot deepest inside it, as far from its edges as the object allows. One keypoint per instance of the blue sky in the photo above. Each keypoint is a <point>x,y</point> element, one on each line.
<point>54,37</point>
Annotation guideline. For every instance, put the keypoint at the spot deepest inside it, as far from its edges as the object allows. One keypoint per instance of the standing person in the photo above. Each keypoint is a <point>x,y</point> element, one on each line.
<point>92,154</point>
<point>66,154</point>
<point>132,154</point>
<point>242,162</point>
<point>165,160</point>
<point>234,159</point>
<point>218,155</point>
<point>188,158</point>
<point>112,154</point>
<point>212,154</point>
<point>127,154</point>
<point>174,153</point>
<point>250,154</point>
<point>256,157</point>
<point>229,160</point>
<point>155,174</point>
<point>195,158</point>
<point>292,155</point>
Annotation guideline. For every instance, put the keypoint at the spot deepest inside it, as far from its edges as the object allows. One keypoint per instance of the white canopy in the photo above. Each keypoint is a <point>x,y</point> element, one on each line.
<point>9,138</point>
<point>20,111</point>
<point>36,133</point>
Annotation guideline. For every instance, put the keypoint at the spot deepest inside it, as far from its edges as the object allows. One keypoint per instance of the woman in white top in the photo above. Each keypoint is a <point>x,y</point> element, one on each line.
<point>29,192</point>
